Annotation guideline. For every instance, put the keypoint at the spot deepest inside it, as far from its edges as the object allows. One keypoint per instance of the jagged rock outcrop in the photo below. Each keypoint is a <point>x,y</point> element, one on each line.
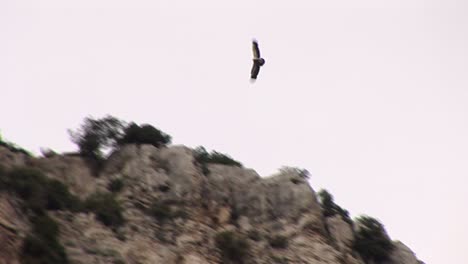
<point>197,206</point>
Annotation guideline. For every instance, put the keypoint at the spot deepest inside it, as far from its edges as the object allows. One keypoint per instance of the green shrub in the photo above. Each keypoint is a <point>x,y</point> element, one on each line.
<point>278,241</point>
<point>42,245</point>
<point>371,240</point>
<point>25,182</point>
<point>203,157</point>
<point>144,134</point>
<point>106,209</point>
<point>45,227</point>
<point>59,198</point>
<point>330,208</point>
<point>233,247</point>
<point>39,192</point>
<point>115,185</point>
<point>163,211</point>
<point>36,250</point>
<point>255,235</point>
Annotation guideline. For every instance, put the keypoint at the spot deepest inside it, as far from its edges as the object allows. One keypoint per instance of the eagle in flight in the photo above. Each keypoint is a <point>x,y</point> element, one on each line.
<point>258,61</point>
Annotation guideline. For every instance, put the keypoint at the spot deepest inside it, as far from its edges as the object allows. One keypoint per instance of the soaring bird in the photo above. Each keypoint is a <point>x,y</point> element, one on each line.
<point>258,61</point>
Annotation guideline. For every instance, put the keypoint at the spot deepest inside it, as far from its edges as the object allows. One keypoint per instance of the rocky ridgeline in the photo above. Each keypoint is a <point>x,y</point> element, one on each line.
<point>176,212</point>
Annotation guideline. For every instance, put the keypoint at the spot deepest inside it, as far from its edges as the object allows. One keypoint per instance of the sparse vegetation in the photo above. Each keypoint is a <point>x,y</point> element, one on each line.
<point>116,185</point>
<point>255,235</point>
<point>144,134</point>
<point>106,209</point>
<point>59,198</point>
<point>203,157</point>
<point>371,240</point>
<point>330,208</point>
<point>278,241</point>
<point>234,247</point>
<point>96,135</point>
<point>42,245</point>
<point>13,147</point>
<point>39,192</point>
<point>161,211</point>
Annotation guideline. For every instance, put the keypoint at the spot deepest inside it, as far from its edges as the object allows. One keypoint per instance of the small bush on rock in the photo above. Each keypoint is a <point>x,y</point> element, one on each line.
<point>255,235</point>
<point>166,210</point>
<point>161,211</point>
<point>106,209</point>
<point>330,208</point>
<point>59,198</point>
<point>39,192</point>
<point>371,240</point>
<point>116,185</point>
<point>233,247</point>
<point>278,241</point>
<point>98,136</point>
<point>144,134</point>
<point>42,245</point>
<point>203,157</point>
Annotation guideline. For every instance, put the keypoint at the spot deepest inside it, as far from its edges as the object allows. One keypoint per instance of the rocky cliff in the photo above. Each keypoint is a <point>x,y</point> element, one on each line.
<point>176,212</point>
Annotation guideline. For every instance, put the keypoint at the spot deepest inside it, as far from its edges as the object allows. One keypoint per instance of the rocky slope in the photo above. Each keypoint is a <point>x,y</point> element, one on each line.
<point>279,217</point>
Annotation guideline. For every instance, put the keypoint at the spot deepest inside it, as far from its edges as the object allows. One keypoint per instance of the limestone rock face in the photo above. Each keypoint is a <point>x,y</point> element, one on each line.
<point>71,170</point>
<point>198,206</point>
<point>286,196</point>
<point>341,233</point>
<point>260,199</point>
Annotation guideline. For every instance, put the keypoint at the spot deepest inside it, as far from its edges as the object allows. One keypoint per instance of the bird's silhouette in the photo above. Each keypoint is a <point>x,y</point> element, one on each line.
<point>258,61</point>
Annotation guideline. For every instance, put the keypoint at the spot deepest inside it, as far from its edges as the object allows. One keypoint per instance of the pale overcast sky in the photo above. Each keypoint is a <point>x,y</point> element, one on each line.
<point>369,96</point>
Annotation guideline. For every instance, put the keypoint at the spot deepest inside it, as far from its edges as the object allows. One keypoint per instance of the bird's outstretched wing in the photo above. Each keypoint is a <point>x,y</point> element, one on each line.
<point>256,51</point>
<point>254,71</point>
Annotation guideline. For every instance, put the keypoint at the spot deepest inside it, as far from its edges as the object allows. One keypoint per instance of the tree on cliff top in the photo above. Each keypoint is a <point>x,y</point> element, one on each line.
<point>96,134</point>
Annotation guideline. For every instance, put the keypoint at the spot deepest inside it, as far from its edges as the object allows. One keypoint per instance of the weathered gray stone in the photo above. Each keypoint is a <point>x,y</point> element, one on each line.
<point>227,198</point>
<point>71,170</point>
<point>341,233</point>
